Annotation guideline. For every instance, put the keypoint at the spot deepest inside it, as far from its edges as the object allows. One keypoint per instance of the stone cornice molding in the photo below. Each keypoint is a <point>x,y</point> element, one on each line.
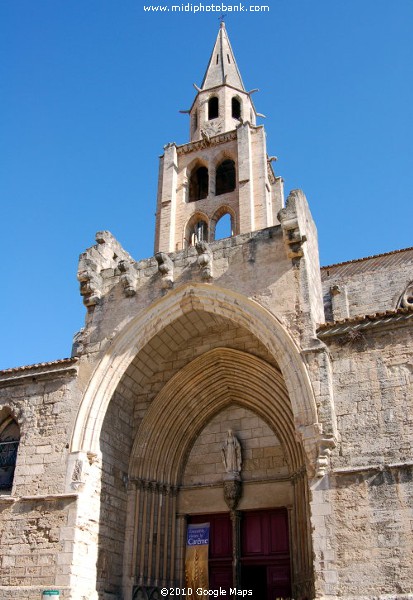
<point>215,140</point>
<point>40,498</point>
<point>376,468</point>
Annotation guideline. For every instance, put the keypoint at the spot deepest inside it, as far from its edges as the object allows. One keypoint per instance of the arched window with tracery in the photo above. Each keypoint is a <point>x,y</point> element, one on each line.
<point>225,177</point>
<point>196,230</point>
<point>198,184</point>
<point>236,108</point>
<point>199,233</point>
<point>9,444</point>
<point>213,108</point>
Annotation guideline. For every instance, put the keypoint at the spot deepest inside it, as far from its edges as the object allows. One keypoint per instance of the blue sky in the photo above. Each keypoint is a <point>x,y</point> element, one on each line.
<point>90,94</point>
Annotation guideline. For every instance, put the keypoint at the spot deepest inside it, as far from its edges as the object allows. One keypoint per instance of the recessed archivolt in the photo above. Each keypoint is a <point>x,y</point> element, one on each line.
<point>140,330</point>
<point>193,219</point>
<point>193,396</point>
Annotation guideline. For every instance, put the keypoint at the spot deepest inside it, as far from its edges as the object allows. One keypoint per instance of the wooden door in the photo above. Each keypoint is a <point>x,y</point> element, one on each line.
<point>265,556</point>
<point>265,553</point>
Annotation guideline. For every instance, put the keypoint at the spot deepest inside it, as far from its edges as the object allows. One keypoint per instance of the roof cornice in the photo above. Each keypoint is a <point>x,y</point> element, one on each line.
<point>379,320</point>
<point>37,371</point>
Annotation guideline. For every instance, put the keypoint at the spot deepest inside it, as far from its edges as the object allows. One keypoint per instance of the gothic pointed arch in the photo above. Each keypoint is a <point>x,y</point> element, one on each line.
<point>217,216</point>
<point>223,375</point>
<point>196,229</point>
<point>198,182</point>
<point>225,177</point>
<point>214,300</point>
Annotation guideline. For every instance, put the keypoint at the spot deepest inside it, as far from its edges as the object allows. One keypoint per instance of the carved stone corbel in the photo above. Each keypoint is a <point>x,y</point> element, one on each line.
<point>166,269</point>
<point>97,264</point>
<point>232,491</point>
<point>90,282</point>
<point>406,299</point>
<point>129,278</point>
<point>204,259</point>
<point>325,447</point>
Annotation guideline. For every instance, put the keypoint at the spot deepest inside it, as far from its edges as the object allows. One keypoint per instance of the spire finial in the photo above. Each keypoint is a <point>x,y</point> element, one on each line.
<point>222,68</point>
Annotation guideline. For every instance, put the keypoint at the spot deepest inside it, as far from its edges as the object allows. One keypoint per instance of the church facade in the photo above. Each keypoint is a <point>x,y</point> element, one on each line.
<point>230,382</point>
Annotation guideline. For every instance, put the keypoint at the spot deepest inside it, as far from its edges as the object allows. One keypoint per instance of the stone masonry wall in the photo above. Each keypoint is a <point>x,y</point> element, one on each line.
<point>371,521</point>
<point>43,409</point>
<point>371,485</point>
<point>373,391</point>
<point>35,516</point>
<point>32,547</point>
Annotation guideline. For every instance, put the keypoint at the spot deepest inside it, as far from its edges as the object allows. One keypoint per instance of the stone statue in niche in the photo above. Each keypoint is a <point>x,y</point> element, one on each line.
<point>231,457</point>
<point>231,454</point>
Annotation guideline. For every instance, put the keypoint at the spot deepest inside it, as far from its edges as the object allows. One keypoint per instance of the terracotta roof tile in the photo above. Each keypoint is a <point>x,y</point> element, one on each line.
<point>375,261</point>
<point>53,363</point>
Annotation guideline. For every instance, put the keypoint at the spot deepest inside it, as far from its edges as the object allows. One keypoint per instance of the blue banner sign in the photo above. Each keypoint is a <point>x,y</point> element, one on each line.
<point>198,535</point>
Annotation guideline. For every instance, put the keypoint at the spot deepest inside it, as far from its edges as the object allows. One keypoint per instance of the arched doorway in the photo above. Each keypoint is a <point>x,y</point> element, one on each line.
<point>161,467</point>
<point>151,397</point>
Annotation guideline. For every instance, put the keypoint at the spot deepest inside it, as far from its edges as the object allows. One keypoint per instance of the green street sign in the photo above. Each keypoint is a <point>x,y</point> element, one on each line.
<point>50,593</point>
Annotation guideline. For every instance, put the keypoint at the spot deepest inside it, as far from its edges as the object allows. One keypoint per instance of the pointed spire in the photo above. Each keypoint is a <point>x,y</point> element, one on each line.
<point>222,67</point>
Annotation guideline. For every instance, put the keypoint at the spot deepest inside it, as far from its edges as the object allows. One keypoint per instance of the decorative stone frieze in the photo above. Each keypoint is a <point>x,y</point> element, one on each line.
<point>212,141</point>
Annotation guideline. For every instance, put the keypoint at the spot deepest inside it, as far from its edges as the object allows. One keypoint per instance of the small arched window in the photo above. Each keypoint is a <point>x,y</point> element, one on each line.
<point>9,443</point>
<point>225,177</point>
<point>198,184</point>
<point>236,108</point>
<point>199,233</point>
<point>213,108</point>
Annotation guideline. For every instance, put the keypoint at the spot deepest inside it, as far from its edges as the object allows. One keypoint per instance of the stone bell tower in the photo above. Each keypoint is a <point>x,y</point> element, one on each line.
<point>224,169</point>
